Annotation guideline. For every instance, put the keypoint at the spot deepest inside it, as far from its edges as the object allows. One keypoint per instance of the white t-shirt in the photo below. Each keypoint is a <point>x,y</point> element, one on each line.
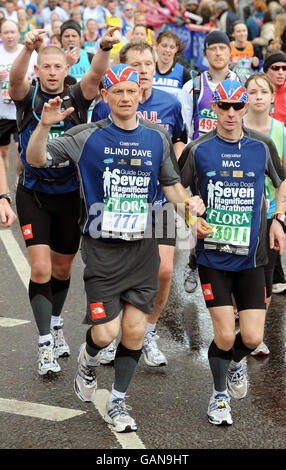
<point>7,107</point>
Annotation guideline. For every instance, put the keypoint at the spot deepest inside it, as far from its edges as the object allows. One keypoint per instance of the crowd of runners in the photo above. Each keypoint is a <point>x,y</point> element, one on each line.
<point>116,138</point>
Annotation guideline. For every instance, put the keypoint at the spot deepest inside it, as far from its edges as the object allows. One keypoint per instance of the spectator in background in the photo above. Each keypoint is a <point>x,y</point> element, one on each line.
<point>243,61</point>
<point>56,41</point>
<point>190,6</point>
<point>33,19</point>
<point>65,5</point>
<point>9,11</point>
<point>128,18</point>
<point>111,23</point>
<point>259,8</point>
<point>251,23</point>
<point>90,11</point>
<point>23,25</point>
<point>170,76</point>
<point>101,12</point>
<point>267,33</point>
<point>78,59</point>
<point>90,36</point>
<point>76,16</point>
<point>225,17</point>
<point>49,27</point>
<point>275,67</point>
<point>51,7</point>
<point>139,33</point>
<point>206,11</point>
<point>140,18</point>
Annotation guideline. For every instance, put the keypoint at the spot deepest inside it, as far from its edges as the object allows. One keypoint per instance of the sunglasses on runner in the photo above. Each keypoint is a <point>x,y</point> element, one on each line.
<point>226,106</point>
<point>275,68</point>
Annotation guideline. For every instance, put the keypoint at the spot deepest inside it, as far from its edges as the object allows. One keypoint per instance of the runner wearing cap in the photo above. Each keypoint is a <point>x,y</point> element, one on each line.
<point>198,114</point>
<point>275,67</point>
<point>197,93</point>
<point>227,168</point>
<point>118,198</point>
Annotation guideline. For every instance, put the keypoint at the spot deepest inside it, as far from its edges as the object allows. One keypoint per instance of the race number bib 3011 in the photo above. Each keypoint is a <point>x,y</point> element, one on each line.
<point>230,231</point>
<point>124,218</point>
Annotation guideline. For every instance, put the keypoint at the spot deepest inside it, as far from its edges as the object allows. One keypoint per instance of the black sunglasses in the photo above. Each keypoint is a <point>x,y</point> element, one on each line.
<point>275,68</point>
<point>226,106</point>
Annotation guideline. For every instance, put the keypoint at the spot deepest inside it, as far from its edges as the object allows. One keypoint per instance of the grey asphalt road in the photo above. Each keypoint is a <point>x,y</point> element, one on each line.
<point>168,403</point>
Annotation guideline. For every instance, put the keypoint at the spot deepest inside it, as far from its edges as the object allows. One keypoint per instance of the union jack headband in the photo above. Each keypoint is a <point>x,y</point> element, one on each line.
<point>120,73</point>
<point>230,90</point>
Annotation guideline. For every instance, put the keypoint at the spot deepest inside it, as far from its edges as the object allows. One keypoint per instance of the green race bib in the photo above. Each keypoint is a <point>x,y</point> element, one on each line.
<point>124,218</point>
<point>231,231</point>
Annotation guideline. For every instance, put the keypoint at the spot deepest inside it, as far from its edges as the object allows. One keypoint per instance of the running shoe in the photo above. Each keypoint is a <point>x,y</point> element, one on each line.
<point>85,382</point>
<point>278,288</point>
<point>191,277</point>
<point>261,350</point>
<point>219,409</point>
<point>46,359</point>
<point>152,355</point>
<point>61,347</point>
<point>107,355</point>
<point>118,416</point>
<point>237,381</point>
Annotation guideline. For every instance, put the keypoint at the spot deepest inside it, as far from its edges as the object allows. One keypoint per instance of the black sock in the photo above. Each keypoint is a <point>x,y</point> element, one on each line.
<point>239,350</point>
<point>219,361</point>
<point>59,291</point>
<point>91,348</point>
<point>41,301</point>
<point>125,363</point>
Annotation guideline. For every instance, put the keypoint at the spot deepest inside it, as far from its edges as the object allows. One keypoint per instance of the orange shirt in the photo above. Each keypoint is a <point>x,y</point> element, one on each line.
<point>247,52</point>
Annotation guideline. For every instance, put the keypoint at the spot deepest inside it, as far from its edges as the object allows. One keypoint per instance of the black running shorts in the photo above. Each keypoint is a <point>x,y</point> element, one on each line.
<point>119,273</point>
<point>247,286</point>
<point>49,219</point>
<point>8,127</point>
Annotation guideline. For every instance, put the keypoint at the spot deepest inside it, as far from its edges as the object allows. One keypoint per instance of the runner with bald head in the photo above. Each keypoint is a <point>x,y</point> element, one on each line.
<point>48,200</point>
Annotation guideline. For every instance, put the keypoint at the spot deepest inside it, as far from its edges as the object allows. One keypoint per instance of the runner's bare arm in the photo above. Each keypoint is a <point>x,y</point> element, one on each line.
<point>19,84</point>
<point>51,114</point>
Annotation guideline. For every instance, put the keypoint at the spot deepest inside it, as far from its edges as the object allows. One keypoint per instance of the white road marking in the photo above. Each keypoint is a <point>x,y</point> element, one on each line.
<point>6,322</point>
<point>36,410</point>
<point>18,259</point>
<point>128,440</point>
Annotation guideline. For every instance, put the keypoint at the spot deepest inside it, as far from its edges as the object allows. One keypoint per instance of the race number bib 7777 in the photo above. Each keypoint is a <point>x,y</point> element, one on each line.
<point>124,218</point>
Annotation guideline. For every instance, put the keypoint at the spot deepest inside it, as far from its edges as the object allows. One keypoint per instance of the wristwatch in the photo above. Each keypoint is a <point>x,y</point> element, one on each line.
<point>105,48</point>
<point>6,196</point>
<point>281,218</point>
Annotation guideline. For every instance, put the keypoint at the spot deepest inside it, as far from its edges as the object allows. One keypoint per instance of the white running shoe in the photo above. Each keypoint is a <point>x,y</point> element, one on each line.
<point>278,288</point>
<point>118,416</point>
<point>261,350</point>
<point>237,381</point>
<point>151,353</point>
<point>107,355</point>
<point>85,382</point>
<point>46,359</point>
<point>61,347</point>
<point>190,278</point>
<point>219,409</point>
